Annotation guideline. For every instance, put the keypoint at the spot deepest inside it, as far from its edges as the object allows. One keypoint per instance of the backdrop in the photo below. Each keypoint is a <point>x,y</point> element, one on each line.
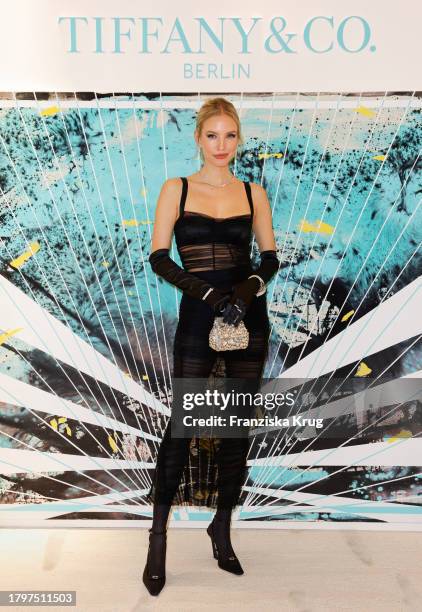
<point>86,328</point>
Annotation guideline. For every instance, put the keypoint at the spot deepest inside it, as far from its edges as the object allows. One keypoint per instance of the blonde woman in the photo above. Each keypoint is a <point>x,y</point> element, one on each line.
<point>212,215</point>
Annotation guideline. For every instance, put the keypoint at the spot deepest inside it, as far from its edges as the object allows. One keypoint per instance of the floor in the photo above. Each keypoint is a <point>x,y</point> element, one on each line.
<point>300,570</point>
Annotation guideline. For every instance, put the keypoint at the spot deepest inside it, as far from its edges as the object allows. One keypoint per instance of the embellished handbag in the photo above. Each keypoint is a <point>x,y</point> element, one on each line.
<point>226,337</point>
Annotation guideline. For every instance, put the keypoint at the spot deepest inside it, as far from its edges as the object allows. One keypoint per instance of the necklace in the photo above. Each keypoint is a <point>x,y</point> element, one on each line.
<point>222,184</point>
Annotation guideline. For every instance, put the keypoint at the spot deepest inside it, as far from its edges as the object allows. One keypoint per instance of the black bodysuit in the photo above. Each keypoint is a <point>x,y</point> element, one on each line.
<point>201,471</point>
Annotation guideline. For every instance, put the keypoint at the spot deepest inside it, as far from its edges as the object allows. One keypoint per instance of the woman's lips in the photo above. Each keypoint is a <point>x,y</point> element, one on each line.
<point>221,155</point>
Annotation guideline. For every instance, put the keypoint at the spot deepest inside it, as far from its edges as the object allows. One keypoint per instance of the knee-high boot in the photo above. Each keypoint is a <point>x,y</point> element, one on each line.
<point>171,459</point>
<point>231,460</point>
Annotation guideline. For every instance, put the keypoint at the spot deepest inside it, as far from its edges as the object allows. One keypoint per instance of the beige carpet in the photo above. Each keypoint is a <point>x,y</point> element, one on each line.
<point>301,570</point>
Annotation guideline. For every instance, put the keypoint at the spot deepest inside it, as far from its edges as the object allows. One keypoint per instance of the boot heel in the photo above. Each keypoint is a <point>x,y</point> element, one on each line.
<point>229,564</point>
<point>214,545</point>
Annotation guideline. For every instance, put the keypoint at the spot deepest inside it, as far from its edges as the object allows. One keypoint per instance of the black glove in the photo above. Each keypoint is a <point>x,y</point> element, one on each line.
<point>164,266</point>
<point>217,300</point>
<point>242,296</point>
<point>268,266</point>
<point>245,291</point>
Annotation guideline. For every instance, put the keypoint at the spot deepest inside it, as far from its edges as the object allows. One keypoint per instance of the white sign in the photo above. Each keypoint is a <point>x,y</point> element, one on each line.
<point>244,45</point>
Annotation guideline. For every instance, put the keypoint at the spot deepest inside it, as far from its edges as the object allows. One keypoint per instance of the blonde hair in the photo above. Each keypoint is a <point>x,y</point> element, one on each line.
<point>217,106</point>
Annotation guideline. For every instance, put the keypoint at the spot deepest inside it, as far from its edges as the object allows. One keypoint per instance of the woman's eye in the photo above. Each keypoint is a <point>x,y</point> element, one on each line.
<point>214,136</point>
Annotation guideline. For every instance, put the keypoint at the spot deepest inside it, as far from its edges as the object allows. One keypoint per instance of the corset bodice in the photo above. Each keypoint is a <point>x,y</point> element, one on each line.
<point>208,243</point>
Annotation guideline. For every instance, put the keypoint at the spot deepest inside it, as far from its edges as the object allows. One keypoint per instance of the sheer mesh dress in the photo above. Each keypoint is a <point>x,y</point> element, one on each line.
<point>210,471</point>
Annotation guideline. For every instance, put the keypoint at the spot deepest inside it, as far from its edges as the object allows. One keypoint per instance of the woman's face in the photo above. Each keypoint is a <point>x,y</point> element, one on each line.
<point>219,139</point>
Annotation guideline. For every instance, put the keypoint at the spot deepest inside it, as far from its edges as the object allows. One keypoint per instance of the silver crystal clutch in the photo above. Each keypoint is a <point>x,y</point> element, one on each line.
<point>226,337</point>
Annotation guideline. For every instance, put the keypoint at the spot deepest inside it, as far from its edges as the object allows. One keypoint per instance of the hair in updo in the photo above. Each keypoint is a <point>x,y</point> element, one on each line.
<point>217,106</point>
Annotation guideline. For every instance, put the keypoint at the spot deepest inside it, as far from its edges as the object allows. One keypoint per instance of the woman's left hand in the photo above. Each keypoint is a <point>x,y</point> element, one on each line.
<point>242,296</point>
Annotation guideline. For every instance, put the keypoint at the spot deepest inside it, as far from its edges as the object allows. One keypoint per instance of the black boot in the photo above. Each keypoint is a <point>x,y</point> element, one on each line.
<point>154,576</point>
<point>219,532</point>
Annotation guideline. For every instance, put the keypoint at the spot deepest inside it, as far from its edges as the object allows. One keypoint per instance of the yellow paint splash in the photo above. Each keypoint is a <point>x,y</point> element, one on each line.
<point>268,155</point>
<point>318,227</point>
<point>50,111</point>
<point>112,443</point>
<point>365,111</point>
<point>60,421</point>
<point>34,247</point>
<point>11,332</point>
<point>404,433</point>
<point>379,157</point>
<point>347,316</point>
<point>363,369</point>
<point>134,222</point>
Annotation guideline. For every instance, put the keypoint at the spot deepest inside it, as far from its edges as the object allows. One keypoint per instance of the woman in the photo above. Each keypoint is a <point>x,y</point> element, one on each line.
<point>212,214</point>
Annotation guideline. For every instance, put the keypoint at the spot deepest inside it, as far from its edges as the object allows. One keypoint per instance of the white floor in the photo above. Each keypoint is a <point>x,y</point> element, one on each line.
<point>303,570</point>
